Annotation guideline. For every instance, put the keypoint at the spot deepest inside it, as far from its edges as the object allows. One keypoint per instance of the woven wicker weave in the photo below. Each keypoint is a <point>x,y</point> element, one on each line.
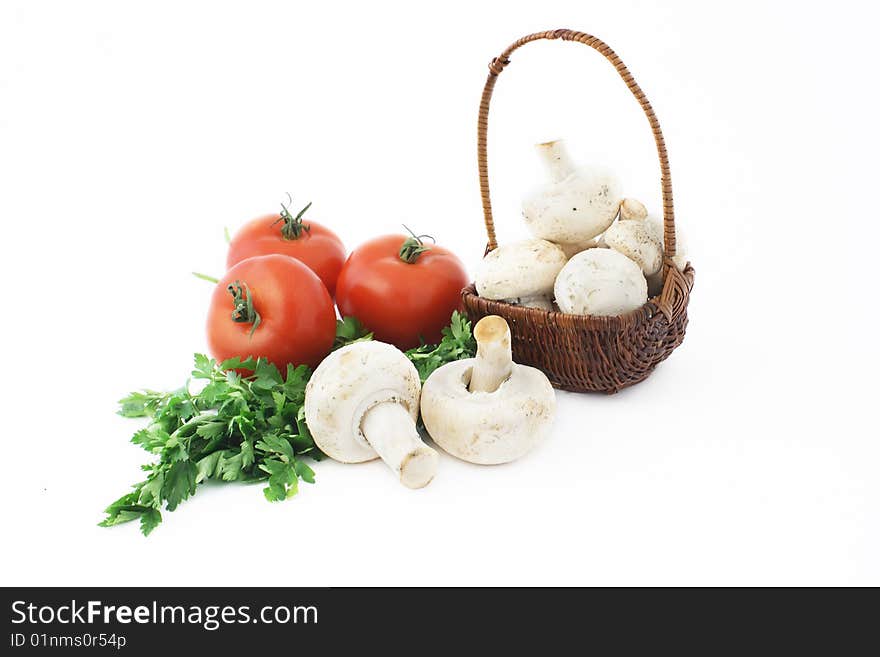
<point>583,353</point>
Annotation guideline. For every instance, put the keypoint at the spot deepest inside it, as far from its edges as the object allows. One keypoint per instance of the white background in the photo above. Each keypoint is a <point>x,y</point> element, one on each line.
<point>131,134</point>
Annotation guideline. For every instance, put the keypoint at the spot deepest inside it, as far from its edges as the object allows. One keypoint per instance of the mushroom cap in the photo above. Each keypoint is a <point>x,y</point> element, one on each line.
<point>348,383</point>
<point>519,269</point>
<point>600,282</point>
<point>680,259</point>
<point>637,240</point>
<point>487,427</point>
<point>575,209</point>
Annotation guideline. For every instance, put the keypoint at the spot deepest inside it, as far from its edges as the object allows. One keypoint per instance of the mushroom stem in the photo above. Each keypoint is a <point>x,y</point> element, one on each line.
<point>390,430</point>
<point>494,361</point>
<point>632,210</point>
<point>555,156</point>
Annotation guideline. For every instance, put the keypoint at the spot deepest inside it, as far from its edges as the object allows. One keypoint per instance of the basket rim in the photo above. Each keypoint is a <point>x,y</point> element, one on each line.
<point>582,322</point>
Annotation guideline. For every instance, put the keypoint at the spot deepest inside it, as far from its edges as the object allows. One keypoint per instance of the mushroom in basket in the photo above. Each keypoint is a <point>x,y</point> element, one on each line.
<point>576,205</point>
<point>600,282</point>
<point>521,273</point>
<point>640,238</point>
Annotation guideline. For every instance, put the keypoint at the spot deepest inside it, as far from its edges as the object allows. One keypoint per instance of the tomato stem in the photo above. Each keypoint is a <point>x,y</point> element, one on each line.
<point>293,225</point>
<point>243,311</point>
<point>413,246</point>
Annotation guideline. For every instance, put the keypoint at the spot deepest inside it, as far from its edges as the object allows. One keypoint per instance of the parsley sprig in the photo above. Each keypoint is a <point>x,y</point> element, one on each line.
<point>241,427</point>
<point>349,330</point>
<point>458,342</point>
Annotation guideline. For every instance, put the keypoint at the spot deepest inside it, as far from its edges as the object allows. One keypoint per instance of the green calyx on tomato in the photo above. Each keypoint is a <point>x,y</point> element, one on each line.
<point>243,311</point>
<point>413,246</point>
<point>320,250</point>
<point>293,225</point>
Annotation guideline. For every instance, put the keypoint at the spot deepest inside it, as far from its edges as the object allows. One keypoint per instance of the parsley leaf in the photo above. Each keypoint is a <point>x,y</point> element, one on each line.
<point>150,520</point>
<point>140,404</point>
<point>349,330</point>
<point>180,483</point>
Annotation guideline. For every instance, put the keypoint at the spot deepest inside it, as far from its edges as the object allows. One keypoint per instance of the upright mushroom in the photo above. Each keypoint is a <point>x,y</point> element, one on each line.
<point>362,402</point>
<point>521,272</point>
<point>600,282</point>
<point>488,409</point>
<point>576,204</point>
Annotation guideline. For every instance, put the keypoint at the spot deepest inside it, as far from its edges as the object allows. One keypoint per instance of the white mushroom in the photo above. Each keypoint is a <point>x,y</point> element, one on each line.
<point>362,402</point>
<point>632,210</point>
<point>638,241</point>
<point>521,271</point>
<point>576,205</point>
<point>600,282</point>
<point>488,409</point>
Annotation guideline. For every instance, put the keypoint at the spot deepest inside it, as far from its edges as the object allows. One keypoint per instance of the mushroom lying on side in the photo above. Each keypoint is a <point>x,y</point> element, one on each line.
<point>488,409</point>
<point>600,282</point>
<point>521,273</point>
<point>576,205</point>
<point>362,402</point>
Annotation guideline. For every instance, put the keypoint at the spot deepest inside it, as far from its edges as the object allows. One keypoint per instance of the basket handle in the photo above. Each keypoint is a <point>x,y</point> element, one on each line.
<point>497,65</point>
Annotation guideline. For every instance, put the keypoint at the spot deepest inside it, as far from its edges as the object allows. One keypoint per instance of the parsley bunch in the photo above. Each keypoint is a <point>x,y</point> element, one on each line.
<point>241,428</point>
<point>237,428</point>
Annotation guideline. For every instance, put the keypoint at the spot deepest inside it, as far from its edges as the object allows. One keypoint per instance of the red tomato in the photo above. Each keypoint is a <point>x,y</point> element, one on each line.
<point>401,302</point>
<point>311,243</point>
<point>271,306</point>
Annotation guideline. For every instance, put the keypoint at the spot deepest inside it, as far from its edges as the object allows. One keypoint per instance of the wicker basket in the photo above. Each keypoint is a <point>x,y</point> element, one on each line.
<point>577,352</point>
